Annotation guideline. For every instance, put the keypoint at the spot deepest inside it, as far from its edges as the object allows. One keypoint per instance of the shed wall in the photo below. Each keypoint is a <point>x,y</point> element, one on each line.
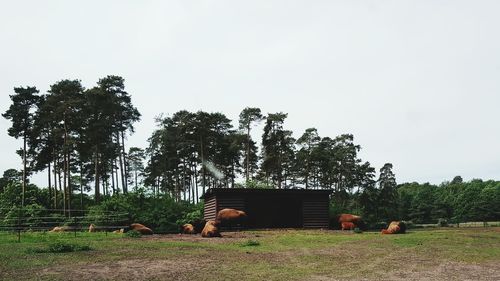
<point>315,212</point>
<point>210,208</point>
<point>273,210</point>
<point>231,201</point>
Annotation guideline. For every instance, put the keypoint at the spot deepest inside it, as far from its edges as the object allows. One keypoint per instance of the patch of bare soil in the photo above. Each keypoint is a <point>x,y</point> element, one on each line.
<point>203,266</point>
<point>440,271</point>
<point>378,264</point>
<point>133,269</point>
<point>359,260</point>
<point>226,236</point>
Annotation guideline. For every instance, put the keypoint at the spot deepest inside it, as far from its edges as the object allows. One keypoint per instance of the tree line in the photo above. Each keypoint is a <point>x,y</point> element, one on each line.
<point>79,137</point>
<point>77,134</point>
<point>192,151</point>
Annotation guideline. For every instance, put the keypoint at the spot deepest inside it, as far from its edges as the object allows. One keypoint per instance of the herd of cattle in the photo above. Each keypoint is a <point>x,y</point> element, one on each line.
<point>211,228</point>
<point>351,222</point>
<point>233,217</point>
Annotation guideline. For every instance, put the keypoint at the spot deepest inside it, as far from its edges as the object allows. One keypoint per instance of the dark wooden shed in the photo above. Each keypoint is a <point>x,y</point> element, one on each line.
<point>272,208</point>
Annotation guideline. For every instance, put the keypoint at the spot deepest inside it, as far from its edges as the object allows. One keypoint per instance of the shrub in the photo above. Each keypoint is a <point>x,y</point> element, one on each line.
<point>379,225</point>
<point>133,234</point>
<point>442,222</point>
<point>192,217</point>
<point>62,247</point>
<point>111,212</point>
<point>410,224</point>
<point>357,230</point>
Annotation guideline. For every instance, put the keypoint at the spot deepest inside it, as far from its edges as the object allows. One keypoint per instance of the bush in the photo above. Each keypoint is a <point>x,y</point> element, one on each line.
<point>410,224</point>
<point>192,217</point>
<point>133,234</point>
<point>111,212</point>
<point>379,225</point>
<point>62,247</point>
<point>357,230</point>
<point>251,243</point>
<point>442,222</point>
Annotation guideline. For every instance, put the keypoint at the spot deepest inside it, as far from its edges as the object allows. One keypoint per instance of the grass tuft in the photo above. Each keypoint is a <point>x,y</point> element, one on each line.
<point>251,243</point>
<point>357,230</point>
<point>60,247</point>
<point>133,234</point>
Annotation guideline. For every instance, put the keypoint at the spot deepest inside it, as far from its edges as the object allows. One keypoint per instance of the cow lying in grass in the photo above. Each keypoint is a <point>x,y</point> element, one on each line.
<point>211,229</point>
<point>141,229</point>
<point>193,227</point>
<point>395,227</point>
<point>188,229</point>
<point>59,229</point>
<point>119,231</point>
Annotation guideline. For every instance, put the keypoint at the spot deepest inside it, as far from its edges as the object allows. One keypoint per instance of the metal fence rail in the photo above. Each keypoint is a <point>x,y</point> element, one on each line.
<point>19,220</point>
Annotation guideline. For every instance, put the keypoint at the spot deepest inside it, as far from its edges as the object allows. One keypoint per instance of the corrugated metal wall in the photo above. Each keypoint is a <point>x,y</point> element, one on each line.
<point>312,209</point>
<point>315,212</point>
<point>232,202</point>
<point>210,208</point>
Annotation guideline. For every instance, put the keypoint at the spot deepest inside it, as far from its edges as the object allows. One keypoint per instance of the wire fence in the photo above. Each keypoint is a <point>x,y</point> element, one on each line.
<point>18,220</point>
<point>461,224</point>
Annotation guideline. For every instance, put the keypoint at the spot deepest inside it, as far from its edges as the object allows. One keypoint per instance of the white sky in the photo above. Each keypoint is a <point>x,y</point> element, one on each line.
<point>416,82</point>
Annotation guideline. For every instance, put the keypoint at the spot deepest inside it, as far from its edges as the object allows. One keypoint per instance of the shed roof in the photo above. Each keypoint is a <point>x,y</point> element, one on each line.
<point>301,191</point>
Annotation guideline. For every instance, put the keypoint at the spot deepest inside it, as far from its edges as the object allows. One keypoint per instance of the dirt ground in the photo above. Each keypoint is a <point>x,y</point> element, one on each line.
<point>136,269</point>
<point>206,259</point>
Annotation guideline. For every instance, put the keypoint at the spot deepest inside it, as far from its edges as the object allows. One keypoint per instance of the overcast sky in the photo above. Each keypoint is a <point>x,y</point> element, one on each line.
<point>416,82</point>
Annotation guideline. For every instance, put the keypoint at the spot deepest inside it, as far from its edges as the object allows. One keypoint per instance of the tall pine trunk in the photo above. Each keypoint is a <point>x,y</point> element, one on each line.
<point>117,180</point>
<point>135,175</point>
<point>96,172</point>
<point>125,168</point>
<point>50,184</point>
<point>68,162</point>
<point>112,176</point>
<point>120,161</point>
<point>55,177</point>
<point>202,166</point>
<point>81,183</point>
<point>24,173</point>
<point>248,152</point>
<point>65,185</point>
<point>196,181</point>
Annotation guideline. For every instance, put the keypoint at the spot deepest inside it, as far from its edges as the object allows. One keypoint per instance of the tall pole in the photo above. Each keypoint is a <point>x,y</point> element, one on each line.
<point>24,172</point>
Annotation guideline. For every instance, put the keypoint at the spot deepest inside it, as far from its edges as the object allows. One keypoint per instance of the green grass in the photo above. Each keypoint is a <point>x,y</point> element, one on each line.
<point>256,255</point>
<point>60,247</point>
<point>251,243</point>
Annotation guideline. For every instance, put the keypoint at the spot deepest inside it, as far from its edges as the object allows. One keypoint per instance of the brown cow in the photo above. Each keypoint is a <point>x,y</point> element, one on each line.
<point>395,227</point>
<point>348,226</point>
<point>356,220</point>
<point>211,229</point>
<point>92,227</point>
<point>348,218</point>
<point>230,217</point>
<point>141,229</point>
<point>188,229</point>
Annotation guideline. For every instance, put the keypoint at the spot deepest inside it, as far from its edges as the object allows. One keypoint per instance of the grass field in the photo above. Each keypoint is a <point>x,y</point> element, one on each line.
<point>438,254</point>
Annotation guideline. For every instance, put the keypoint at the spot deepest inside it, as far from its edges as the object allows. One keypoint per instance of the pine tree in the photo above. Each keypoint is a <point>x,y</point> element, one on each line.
<point>21,115</point>
<point>248,116</point>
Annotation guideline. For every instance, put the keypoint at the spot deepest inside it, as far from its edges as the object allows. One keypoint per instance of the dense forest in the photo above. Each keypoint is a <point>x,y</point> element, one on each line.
<point>79,137</point>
